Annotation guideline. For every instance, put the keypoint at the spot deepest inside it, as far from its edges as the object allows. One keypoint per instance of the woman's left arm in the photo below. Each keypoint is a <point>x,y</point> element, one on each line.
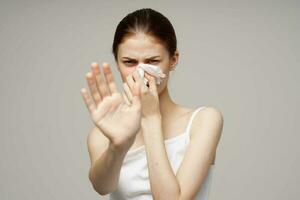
<point>205,135</point>
<point>163,181</point>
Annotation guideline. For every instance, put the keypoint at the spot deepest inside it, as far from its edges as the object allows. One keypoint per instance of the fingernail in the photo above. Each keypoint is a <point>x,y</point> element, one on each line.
<point>89,74</point>
<point>94,63</point>
<point>104,64</point>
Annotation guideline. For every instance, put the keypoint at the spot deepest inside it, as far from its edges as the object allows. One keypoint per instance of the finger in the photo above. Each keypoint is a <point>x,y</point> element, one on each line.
<point>152,82</point>
<point>100,81</point>
<point>126,99</point>
<point>127,92</point>
<point>87,100</point>
<point>136,95</point>
<point>93,87</point>
<point>130,81</point>
<point>138,79</point>
<point>97,74</point>
<point>109,78</point>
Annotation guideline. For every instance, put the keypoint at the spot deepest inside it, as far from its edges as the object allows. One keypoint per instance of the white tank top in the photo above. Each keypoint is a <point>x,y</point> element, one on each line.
<point>134,183</point>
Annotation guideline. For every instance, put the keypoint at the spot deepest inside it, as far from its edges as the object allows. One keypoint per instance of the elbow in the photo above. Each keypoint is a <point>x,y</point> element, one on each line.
<point>99,188</point>
<point>95,185</point>
<point>102,193</point>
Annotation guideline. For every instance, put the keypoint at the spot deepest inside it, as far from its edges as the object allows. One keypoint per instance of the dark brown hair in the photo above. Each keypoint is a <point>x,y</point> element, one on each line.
<point>147,21</point>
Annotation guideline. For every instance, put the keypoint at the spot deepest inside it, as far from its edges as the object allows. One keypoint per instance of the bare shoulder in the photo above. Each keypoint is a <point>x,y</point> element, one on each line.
<point>208,111</point>
<point>210,118</point>
<point>211,112</point>
<point>97,143</point>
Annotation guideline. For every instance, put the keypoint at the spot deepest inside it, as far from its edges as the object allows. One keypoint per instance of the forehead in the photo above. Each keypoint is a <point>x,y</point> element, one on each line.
<point>141,45</point>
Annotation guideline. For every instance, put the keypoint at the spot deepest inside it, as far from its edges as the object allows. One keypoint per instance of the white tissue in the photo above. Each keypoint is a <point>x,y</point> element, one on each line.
<point>151,69</point>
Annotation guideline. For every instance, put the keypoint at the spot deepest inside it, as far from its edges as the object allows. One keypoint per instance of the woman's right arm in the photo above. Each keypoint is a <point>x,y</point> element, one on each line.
<point>106,161</point>
<point>117,123</point>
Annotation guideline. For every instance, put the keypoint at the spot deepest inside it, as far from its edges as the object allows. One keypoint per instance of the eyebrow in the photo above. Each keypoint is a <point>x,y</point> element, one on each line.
<point>146,58</point>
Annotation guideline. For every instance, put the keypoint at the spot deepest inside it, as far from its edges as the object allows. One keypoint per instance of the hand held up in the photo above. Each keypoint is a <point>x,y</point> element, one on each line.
<point>111,112</point>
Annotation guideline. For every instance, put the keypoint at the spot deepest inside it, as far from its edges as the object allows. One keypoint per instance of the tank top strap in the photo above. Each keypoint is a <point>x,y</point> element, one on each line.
<point>188,128</point>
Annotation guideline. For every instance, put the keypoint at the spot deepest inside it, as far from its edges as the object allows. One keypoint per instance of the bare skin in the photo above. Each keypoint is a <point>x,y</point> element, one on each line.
<point>136,50</point>
<point>118,120</point>
<point>108,144</point>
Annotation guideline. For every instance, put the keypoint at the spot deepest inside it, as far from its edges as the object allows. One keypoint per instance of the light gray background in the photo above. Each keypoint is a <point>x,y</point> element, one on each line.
<point>240,56</point>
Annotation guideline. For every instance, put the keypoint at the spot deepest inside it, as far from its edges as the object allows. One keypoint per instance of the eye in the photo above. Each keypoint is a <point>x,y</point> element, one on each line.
<point>155,61</point>
<point>130,62</point>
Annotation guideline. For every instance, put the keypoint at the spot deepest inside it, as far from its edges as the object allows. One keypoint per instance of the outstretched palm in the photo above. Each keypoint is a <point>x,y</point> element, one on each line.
<point>115,116</point>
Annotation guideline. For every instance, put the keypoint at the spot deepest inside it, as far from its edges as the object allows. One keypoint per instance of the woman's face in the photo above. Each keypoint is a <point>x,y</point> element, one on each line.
<point>141,48</point>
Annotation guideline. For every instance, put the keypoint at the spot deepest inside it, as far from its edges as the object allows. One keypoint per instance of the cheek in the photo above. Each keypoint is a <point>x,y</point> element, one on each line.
<point>164,68</point>
<point>162,85</point>
<point>125,71</point>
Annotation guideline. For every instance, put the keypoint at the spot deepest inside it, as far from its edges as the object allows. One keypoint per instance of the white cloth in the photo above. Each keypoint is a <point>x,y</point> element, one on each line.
<point>151,69</point>
<point>134,183</point>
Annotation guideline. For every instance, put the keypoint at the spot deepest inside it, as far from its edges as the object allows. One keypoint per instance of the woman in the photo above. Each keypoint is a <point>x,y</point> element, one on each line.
<point>144,145</point>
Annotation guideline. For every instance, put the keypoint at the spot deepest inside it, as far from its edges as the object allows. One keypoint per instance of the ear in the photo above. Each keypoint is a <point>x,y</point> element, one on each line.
<point>174,60</point>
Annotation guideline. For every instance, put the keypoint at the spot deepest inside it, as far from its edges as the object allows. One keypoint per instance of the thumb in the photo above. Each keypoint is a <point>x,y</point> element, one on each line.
<point>136,94</point>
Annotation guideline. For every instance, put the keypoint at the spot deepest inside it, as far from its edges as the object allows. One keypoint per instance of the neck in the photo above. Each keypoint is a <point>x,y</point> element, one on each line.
<point>166,105</point>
